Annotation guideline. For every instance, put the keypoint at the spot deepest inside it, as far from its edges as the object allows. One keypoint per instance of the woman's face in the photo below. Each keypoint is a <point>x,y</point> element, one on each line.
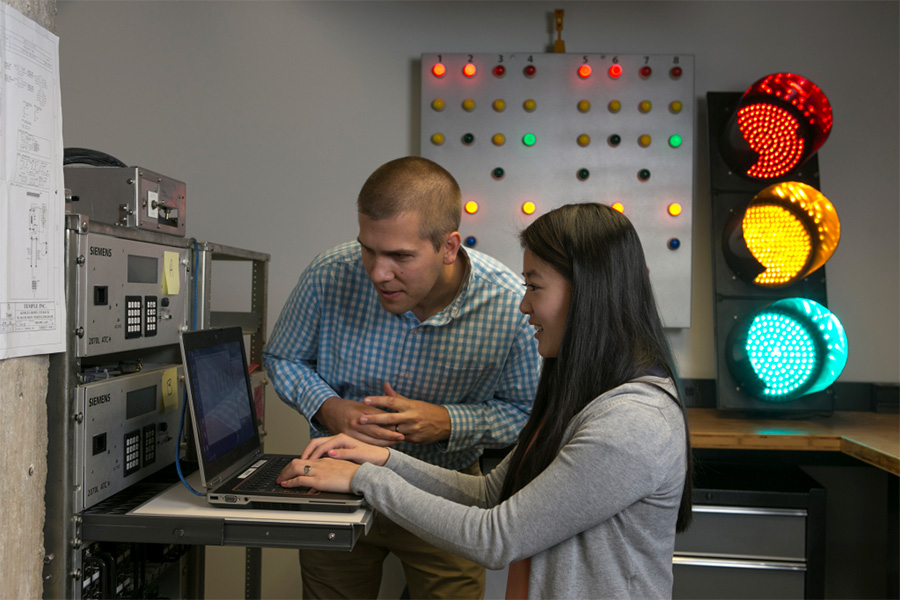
<point>546,302</point>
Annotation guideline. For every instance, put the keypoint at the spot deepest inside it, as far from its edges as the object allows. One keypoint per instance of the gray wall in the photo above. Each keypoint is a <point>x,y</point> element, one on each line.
<point>274,113</point>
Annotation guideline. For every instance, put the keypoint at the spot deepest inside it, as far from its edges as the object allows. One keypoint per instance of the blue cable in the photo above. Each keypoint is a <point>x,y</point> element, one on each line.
<point>184,404</point>
<point>177,458</point>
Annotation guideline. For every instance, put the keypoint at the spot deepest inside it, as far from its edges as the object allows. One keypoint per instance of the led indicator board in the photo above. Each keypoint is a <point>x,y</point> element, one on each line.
<point>526,133</point>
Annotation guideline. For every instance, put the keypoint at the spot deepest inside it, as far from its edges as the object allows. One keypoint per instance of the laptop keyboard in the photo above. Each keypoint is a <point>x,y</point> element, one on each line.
<point>263,478</point>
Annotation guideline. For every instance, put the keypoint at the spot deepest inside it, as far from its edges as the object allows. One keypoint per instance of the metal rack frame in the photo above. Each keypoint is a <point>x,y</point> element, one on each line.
<point>66,531</point>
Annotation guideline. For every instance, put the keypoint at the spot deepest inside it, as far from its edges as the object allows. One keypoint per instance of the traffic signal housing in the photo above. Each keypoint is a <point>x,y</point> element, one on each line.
<point>778,348</point>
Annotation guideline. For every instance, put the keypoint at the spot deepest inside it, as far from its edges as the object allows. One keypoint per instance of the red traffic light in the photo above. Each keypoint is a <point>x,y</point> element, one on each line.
<point>780,121</point>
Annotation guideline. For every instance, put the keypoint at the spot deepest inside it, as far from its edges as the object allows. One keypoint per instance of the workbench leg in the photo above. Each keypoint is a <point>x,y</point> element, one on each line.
<point>193,563</point>
<point>893,551</point>
<point>253,574</point>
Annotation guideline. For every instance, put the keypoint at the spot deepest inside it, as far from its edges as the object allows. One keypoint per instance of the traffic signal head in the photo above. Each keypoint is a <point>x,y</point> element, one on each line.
<point>780,121</point>
<point>790,348</point>
<point>778,348</point>
<point>786,232</point>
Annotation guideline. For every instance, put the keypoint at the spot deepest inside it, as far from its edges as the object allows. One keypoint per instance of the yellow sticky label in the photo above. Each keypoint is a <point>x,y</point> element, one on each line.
<point>170,390</point>
<point>172,273</point>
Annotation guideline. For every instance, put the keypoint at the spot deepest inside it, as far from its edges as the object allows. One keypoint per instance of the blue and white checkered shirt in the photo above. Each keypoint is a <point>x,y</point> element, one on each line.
<point>477,357</point>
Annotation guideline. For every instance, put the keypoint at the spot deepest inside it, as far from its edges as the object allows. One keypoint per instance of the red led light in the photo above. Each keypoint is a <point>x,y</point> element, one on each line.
<point>675,72</point>
<point>530,71</point>
<point>499,71</point>
<point>615,71</point>
<point>645,72</point>
<point>801,94</point>
<point>771,132</point>
<point>780,121</point>
<point>439,70</point>
<point>584,71</point>
<point>469,70</point>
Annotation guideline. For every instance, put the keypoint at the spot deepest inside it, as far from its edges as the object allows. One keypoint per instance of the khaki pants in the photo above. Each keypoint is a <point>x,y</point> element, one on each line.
<point>430,571</point>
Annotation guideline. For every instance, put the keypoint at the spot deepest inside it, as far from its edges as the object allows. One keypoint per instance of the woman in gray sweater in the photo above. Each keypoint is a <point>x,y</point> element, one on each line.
<point>588,502</point>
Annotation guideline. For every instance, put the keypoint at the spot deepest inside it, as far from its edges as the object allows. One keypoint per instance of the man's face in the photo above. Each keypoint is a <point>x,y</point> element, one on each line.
<point>403,267</point>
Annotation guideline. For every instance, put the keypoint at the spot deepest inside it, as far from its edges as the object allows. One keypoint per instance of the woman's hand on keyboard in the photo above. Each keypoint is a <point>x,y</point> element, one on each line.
<point>324,474</point>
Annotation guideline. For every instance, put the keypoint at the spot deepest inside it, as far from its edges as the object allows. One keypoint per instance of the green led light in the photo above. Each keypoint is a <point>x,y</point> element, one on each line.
<point>783,351</point>
<point>529,139</point>
<point>773,342</point>
<point>675,141</point>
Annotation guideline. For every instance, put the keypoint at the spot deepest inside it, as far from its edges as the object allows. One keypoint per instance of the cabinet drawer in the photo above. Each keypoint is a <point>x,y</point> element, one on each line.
<point>720,579</point>
<point>737,531</point>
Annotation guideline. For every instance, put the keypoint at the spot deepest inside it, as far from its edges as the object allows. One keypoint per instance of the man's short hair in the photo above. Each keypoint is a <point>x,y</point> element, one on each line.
<point>417,185</point>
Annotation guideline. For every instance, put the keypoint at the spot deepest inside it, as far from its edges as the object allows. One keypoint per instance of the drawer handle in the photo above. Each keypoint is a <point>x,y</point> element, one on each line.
<point>737,564</point>
<point>749,510</point>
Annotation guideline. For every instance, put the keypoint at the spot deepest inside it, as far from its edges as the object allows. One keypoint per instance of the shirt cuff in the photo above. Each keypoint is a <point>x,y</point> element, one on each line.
<point>316,397</point>
<point>463,435</point>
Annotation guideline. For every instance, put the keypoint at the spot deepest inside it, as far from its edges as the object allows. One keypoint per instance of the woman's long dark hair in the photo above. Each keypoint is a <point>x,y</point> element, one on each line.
<point>613,331</point>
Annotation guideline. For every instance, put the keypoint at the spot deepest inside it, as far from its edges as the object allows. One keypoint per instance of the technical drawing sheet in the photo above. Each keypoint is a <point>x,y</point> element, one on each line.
<point>32,193</point>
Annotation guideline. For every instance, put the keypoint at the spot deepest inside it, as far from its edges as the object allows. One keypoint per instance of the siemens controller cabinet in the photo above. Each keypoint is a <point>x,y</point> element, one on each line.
<point>130,294</point>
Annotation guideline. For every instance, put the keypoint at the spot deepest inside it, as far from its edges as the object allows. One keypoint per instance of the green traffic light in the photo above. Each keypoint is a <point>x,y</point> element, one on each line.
<point>790,348</point>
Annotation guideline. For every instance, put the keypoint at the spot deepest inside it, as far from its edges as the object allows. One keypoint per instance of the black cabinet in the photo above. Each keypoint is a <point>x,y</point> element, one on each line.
<point>758,532</point>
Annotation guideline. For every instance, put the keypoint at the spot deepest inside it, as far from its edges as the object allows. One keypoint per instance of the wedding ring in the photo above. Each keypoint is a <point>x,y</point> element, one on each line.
<point>306,470</point>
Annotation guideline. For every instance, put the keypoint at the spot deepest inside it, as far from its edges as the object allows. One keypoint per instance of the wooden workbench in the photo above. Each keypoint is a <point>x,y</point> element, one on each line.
<point>870,437</point>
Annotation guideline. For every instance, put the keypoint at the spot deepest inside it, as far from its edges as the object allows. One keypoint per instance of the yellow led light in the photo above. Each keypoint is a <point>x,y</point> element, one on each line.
<point>674,209</point>
<point>529,105</point>
<point>779,241</point>
<point>791,229</point>
<point>584,140</point>
<point>619,207</point>
<point>584,106</point>
<point>437,104</point>
<point>644,140</point>
<point>675,106</point>
<point>645,106</point>
<point>528,208</point>
<point>615,106</point>
<point>499,139</point>
<point>437,139</point>
<point>499,105</point>
<point>468,105</point>
<point>471,207</point>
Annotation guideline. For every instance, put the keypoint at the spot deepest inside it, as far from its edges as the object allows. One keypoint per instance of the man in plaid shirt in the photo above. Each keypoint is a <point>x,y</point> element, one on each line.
<point>403,338</point>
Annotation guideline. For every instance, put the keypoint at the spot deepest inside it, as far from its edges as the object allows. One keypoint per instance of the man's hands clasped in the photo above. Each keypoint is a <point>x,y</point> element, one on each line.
<point>386,420</point>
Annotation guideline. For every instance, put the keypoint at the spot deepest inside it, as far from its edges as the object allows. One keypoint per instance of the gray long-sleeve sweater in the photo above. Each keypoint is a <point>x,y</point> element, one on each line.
<point>599,522</point>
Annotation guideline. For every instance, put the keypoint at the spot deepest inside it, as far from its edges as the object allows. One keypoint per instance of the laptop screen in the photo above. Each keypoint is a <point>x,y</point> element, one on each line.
<point>220,396</point>
<point>223,413</point>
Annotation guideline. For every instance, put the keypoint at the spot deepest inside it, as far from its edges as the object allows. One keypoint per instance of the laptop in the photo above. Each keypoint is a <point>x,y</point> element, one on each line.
<point>233,468</point>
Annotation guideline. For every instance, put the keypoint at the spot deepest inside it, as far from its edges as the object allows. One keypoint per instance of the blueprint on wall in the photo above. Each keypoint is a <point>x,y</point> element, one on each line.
<point>32,194</point>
